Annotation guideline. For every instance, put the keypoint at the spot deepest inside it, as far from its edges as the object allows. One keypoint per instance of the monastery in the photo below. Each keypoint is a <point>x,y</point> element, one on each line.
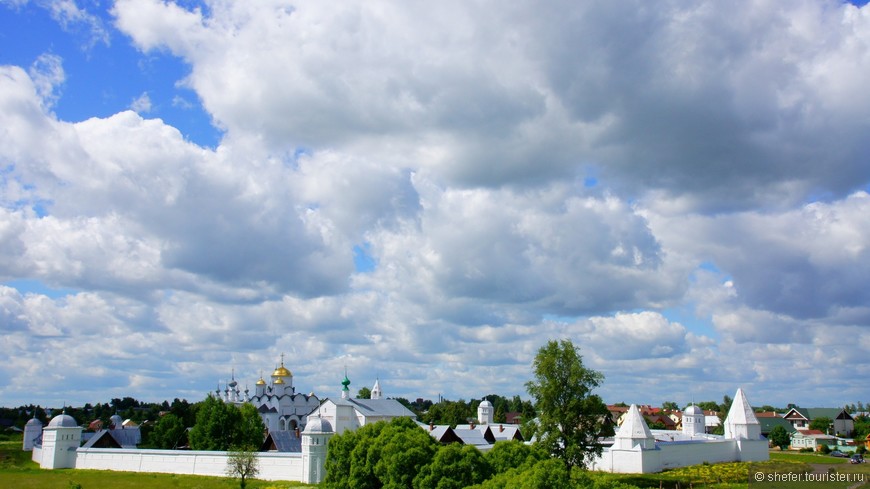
<point>637,449</point>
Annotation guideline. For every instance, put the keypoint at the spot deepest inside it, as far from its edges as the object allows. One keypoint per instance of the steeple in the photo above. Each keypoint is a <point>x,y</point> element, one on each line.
<point>741,421</point>
<point>376,390</point>
<point>345,390</point>
<point>634,432</point>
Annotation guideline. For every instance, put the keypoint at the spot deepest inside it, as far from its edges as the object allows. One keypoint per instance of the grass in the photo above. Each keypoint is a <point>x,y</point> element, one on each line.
<point>19,471</point>
<point>808,458</point>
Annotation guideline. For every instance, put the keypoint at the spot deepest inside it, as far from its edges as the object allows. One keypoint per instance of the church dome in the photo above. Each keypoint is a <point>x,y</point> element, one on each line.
<point>116,421</point>
<point>34,422</point>
<point>317,425</point>
<point>693,411</point>
<point>281,372</point>
<point>261,382</point>
<point>485,404</point>
<point>279,381</point>
<point>62,420</point>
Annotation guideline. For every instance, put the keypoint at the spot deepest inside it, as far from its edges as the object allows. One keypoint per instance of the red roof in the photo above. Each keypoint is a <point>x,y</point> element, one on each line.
<point>766,414</point>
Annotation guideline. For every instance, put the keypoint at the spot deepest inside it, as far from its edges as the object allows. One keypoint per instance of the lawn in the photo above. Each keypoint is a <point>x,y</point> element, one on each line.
<point>19,471</point>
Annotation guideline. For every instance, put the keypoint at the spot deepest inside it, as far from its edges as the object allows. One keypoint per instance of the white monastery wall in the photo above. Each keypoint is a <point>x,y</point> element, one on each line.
<point>676,454</point>
<point>273,466</point>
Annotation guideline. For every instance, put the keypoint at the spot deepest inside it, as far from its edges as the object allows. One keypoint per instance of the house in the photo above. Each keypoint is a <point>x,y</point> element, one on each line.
<point>811,439</point>
<point>768,422</point>
<point>801,418</point>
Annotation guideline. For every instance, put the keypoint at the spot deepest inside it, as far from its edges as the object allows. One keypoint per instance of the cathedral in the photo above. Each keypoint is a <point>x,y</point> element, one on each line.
<point>281,407</point>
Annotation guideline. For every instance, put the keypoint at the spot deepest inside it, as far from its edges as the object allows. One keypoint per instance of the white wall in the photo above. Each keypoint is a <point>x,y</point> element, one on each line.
<point>273,465</point>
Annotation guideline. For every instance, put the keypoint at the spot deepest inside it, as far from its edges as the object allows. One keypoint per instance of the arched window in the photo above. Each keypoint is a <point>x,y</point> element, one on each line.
<point>281,426</point>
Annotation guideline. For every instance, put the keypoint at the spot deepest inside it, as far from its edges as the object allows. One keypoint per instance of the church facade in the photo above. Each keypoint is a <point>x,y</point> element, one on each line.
<point>280,406</point>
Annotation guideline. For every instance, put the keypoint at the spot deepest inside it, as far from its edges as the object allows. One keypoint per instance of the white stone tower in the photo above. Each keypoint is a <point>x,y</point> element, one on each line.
<point>634,432</point>
<point>315,439</point>
<point>485,415</point>
<point>741,422</point>
<point>693,421</point>
<point>60,439</point>
<point>31,432</point>
<point>376,390</point>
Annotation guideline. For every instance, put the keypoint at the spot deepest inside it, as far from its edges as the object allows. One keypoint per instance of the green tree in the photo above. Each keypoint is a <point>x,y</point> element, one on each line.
<point>779,437</point>
<point>570,415</point>
<point>220,426</point>
<point>670,406</point>
<point>378,455</point>
<point>821,423</point>
<point>454,467</point>
<point>251,431</point>
<point>513,454</point>
<point>364,393</point>
<point>242,463</point>
<point>168,432</point>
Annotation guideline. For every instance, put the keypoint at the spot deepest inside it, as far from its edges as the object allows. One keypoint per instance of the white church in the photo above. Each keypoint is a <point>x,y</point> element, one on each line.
<point>280,406</point>
<point>637,449</point>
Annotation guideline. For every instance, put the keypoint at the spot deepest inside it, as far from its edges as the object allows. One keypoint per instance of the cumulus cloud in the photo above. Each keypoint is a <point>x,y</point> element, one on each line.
<point>511,174</point>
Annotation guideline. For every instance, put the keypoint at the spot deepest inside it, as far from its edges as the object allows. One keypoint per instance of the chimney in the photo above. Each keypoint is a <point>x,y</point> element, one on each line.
<point>431,426</point>
<point>500,428</point>
<point>297,432</point>
<point>472,425</point>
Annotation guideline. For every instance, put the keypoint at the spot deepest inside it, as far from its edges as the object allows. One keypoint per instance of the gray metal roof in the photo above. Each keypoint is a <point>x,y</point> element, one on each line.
<point>381,407</point>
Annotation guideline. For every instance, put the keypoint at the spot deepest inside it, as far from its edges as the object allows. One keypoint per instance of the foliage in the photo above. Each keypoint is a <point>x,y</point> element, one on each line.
<point>379,455</point>
<point>779,437</point>
<point>821,423</point>
<point>670,406</point>
<point>449,412</point>
<point>168,433</point>
<point>570,415</point>
<point>243,464</point>
<point>220,426</point>
<point>506,455</point>
<point>454,467</point>
<point>862,428</point>
<point>364,393</point>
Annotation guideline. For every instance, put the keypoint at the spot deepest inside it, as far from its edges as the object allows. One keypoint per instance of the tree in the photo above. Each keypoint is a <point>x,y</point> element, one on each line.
<point>167,433</point>
<point>670,406</point>
<point>513,454</point>
<point>251,430</point>
<point>364,393</point>
<point>570,415</point>
<point>242,462</point>
<point>454,467</point>
<point>821,423</point>
<point>220,426</point>
<point>779,437</point>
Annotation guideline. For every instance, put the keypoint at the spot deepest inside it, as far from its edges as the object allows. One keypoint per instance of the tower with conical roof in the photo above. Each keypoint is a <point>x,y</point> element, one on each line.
<point>634,432</point>
<point>376,390</point>
<point>741,422</point>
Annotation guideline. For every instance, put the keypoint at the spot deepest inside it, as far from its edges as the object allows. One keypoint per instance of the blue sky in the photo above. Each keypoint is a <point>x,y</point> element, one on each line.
<point>426,194</point>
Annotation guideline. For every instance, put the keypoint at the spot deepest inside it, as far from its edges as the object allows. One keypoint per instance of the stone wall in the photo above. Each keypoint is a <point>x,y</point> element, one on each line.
<point>273,465</point>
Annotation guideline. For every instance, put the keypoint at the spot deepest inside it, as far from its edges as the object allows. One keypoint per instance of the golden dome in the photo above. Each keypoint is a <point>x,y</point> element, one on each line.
<point>261,382</point>
<point>279,380</point>
<point>281,372</point>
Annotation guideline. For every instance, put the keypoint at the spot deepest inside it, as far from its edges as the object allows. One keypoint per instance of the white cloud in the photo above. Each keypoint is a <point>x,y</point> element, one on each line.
<point>516,174</point>
<point>142,103</point>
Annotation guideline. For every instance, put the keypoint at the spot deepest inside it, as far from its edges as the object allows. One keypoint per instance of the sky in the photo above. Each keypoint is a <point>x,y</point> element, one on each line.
<point>425,193</point>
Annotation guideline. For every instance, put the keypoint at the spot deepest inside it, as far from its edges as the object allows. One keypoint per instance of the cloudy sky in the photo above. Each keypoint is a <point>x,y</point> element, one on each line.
<point>426,192</point>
